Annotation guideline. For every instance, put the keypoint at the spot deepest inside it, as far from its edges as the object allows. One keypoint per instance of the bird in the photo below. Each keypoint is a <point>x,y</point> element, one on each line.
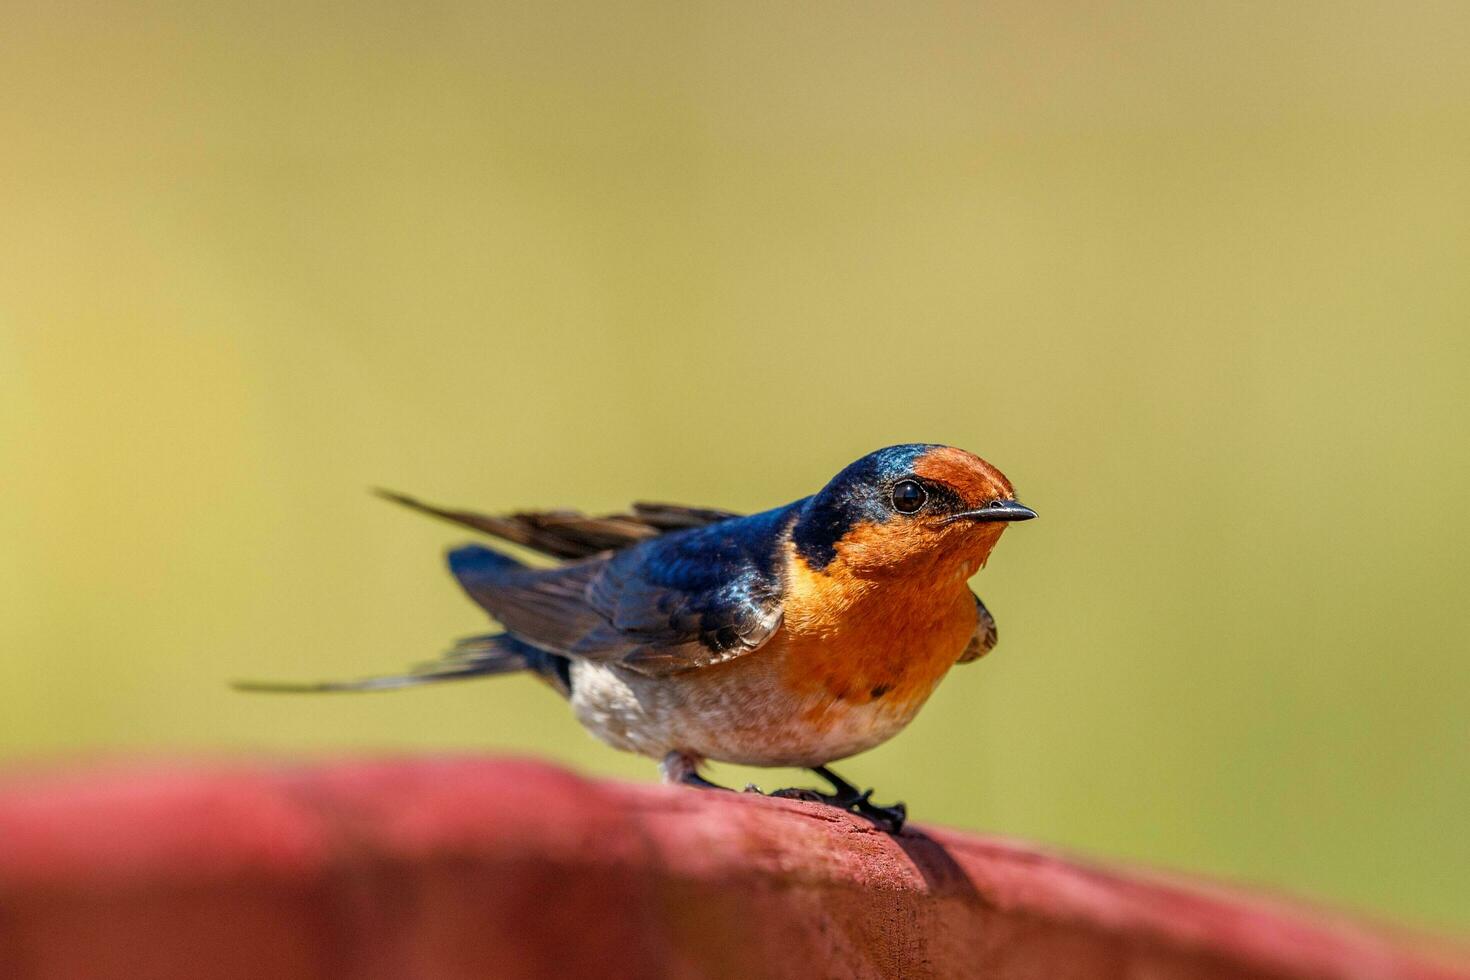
<point>794,637</point>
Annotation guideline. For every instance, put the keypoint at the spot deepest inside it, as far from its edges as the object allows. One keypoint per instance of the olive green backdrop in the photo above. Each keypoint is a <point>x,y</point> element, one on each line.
<point>1193,275</point>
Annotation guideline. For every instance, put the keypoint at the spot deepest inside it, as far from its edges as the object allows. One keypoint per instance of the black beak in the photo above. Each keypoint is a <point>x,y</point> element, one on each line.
<point>998,510</point>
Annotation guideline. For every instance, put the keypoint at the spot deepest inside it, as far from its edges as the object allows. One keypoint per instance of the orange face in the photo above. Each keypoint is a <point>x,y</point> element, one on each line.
<point>934,540</point>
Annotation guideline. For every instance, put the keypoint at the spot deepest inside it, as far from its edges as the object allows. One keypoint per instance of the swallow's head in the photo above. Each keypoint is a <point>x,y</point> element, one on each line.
<point>906,509</point>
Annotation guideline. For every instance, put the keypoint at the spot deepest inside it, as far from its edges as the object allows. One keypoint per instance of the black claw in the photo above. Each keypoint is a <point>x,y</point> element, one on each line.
<point>889,818</point>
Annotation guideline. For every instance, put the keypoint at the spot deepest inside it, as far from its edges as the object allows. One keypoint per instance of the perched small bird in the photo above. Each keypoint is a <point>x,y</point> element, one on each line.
<point>793,637</point>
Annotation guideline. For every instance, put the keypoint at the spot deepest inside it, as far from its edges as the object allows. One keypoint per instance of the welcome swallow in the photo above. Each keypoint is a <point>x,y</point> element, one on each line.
<point>792,637</point>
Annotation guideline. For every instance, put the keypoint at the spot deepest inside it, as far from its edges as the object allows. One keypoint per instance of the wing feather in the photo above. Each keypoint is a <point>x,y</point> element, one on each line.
<point>570,534</point>
<point>682,600</point>
<point>984,638</point>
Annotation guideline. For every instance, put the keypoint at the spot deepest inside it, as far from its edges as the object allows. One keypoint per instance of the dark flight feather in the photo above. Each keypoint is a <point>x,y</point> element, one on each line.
<point>570,534</point>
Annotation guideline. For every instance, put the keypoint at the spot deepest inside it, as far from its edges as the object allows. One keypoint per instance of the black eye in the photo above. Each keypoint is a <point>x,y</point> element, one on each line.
<point>908,496</point>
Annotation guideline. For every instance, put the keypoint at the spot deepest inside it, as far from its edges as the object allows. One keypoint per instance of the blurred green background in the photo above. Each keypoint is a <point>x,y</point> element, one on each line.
<point>1194,276</point>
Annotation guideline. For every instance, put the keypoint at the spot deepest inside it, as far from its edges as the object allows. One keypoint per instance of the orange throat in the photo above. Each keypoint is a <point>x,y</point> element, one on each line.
<point>884,640</point>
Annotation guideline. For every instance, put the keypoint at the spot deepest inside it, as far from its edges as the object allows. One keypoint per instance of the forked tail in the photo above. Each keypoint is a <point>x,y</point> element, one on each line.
<point>474,656</point>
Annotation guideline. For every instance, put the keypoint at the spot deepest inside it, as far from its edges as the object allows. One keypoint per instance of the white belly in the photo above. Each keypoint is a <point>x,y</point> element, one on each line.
<point>741,715</point>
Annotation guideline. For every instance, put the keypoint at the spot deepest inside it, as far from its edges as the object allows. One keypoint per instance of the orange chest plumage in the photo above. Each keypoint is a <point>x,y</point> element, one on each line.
<point>855,641</point>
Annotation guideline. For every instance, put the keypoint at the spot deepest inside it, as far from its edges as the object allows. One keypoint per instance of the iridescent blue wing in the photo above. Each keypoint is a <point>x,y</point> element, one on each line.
<point>678,601</point>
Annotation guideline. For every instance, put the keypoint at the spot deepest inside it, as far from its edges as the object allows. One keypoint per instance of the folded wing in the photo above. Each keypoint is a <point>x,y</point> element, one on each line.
<point>985,636</point>
<point>676,601</point>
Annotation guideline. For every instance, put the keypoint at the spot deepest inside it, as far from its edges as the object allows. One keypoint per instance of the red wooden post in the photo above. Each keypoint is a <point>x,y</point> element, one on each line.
<point>457,868</point>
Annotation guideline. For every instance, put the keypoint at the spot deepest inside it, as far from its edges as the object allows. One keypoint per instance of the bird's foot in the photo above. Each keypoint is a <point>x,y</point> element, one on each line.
<point>889,818</point>
<point>681,768</point>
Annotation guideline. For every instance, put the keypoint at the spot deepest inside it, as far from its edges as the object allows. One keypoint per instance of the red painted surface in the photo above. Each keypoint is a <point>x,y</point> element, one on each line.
<point>456,869</point>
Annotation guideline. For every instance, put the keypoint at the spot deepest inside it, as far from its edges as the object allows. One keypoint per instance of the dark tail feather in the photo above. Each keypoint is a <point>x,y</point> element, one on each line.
<point>475,656</point>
